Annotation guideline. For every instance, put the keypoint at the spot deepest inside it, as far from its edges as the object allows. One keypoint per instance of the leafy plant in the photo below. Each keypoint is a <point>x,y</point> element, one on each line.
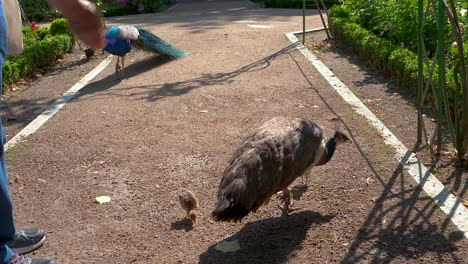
<point>41,49</point>
<point>130,7</point>
<point>59,26</point>
<point>38,10</point>
<point>296,3</point>
<point>385,33</point>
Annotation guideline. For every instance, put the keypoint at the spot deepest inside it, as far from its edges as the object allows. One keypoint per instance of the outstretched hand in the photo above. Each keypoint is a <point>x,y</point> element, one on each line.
<point>83,20</point>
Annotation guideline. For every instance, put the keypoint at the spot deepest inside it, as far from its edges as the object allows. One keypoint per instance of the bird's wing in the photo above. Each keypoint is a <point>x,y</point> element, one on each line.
<point>129,32</point>
<point>267,162</point>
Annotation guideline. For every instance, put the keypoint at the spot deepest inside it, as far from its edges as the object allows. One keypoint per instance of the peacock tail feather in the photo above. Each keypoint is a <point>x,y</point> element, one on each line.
<point>150,42</point>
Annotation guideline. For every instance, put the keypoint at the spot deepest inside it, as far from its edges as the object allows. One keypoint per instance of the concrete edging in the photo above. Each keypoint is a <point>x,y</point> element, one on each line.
<point>441,195</point>
<point>57,105</point>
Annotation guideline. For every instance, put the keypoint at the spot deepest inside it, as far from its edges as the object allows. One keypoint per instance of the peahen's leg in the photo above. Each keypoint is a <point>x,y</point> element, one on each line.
<point>304,181</point>
<point>285,197</point>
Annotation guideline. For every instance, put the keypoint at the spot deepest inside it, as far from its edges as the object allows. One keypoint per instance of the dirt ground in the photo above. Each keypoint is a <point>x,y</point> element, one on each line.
<point>385,98</point>
<point>175,124</point>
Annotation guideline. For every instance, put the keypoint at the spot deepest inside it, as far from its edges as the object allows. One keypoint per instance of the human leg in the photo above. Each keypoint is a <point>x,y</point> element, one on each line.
<point>7,227</point>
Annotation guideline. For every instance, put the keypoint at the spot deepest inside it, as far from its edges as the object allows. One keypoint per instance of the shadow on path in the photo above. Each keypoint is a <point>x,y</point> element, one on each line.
<point>401,222</point>
<point>269,240</point>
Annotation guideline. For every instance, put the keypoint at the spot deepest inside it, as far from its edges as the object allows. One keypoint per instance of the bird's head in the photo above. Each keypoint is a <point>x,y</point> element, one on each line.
<point>341,138</point>
<point>193,217</point>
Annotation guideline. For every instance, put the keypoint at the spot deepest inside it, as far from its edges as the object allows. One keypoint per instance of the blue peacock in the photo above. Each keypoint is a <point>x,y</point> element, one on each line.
<point>121,39</point>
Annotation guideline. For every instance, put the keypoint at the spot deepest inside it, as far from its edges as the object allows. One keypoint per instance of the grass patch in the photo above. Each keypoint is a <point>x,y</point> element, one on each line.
<point>13,151</point>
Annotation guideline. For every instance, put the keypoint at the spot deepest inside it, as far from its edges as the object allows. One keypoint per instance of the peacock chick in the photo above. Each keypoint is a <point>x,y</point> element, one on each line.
<point>121,39</point>
<point>189,202</point>
<point>268,161</point>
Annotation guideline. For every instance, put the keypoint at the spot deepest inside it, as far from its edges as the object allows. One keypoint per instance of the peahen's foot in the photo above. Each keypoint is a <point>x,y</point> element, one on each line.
<point>303,182</point>
<point>285,197</point>
<point>287,210</point>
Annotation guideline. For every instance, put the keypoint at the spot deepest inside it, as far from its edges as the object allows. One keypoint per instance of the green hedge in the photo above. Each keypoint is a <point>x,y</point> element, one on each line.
<point>59,26</point>
<point>38,10</point>
<point>42,54</point>
<point>386,54</point>
<point>395,60</point>
<point>381,53</point>
<point>112,8</point>
<point>295,3</point>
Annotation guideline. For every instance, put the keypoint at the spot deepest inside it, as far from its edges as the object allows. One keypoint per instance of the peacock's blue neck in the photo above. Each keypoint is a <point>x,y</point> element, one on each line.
<point>118,47</point>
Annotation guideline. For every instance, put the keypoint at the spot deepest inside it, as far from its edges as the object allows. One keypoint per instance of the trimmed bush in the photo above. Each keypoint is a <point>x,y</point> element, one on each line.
<point>41,54</point>
<point>29,36</point>
<point>59,26</point>
<point>296,3</point>
<point>400,62</point>
<point>132,7</point>
<point>38,10</point>
<point>41,32</point>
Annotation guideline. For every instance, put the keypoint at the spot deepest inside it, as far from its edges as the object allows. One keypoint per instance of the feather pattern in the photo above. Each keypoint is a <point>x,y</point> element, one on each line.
<point>117,45</point>
<point>153,43</point>
<point>267,162</point>
<point>120,40</point>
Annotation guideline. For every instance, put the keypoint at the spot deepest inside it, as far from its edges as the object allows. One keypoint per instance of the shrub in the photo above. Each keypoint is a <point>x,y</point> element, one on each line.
<point>130,7</point>
<point>38,10</point>
<point>340,11</point>
<point>41,32</point>
<point>59,26</point>
<point>296,3</point>
<point>397,60</point>
<point>29,36</point>
<point>38,55</point>
<point>381,53</point>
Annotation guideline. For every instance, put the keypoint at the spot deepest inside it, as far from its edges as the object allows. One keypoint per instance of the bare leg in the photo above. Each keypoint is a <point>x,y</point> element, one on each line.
<point>117,65</point>
<point>304,180</point>
<point>123,67</point>
<point>285,197</point>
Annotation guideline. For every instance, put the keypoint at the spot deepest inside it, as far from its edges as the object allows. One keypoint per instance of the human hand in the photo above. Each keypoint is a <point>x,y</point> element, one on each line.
<point>83,20</point>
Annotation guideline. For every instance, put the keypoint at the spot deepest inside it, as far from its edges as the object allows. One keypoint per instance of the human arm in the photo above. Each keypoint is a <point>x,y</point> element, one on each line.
<point>83,20</point>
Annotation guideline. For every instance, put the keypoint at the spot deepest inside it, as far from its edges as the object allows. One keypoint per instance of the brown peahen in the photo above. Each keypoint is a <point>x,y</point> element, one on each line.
<point>268,162</point>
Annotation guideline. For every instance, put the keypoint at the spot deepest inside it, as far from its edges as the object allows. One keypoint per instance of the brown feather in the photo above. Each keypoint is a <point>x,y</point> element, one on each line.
<point>267,162</point>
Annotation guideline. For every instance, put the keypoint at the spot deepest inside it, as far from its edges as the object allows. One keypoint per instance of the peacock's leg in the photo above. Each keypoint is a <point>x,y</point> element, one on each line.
<point>123,67</point>
<point>117,65</point>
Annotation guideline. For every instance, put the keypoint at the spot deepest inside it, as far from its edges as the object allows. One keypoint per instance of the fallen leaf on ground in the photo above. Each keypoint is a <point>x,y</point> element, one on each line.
<point>228,246</point>
<point>103,199</point>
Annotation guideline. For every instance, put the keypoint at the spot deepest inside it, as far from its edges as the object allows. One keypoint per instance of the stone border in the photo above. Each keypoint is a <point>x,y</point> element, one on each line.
<point>440,194</point>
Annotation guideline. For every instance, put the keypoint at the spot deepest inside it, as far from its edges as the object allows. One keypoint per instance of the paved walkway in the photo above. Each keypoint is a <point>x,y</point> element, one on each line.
<point>174,125</point>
